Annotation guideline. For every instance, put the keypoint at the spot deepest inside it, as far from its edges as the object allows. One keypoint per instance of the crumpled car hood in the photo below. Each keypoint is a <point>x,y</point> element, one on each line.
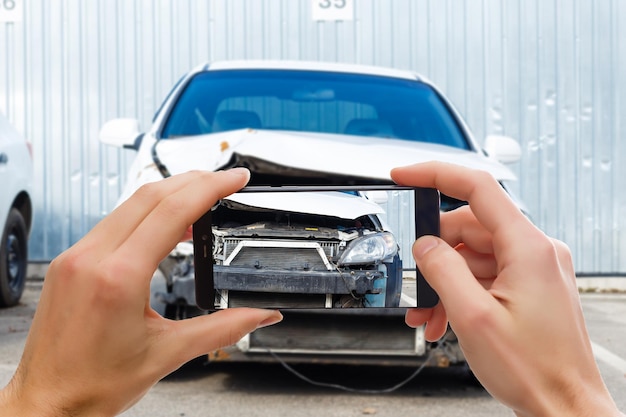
<point>333,154</point>
<point>313,157</point>
<point>335,204</point>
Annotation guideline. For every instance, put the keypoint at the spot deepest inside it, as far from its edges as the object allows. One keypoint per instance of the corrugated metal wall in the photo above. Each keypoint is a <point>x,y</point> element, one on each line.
<point>549,73</point>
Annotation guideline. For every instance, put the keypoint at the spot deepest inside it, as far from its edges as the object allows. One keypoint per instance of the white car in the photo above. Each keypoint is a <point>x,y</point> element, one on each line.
<point>16,211</point>
<point>300,123</point>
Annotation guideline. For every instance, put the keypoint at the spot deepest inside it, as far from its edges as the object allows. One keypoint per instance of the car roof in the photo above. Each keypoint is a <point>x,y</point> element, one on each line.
<point>310,66</point>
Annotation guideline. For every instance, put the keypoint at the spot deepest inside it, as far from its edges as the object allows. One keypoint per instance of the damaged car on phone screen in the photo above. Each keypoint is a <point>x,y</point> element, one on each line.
<point>292,122</point>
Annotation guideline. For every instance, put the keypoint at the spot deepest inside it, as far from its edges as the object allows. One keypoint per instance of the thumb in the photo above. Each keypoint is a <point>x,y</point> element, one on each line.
<point>194,337</point>
<point>448,274</point>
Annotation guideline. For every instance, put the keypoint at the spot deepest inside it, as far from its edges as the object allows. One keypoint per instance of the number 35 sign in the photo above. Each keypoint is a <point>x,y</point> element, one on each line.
<point>11,10</point>
<point>332,9</point>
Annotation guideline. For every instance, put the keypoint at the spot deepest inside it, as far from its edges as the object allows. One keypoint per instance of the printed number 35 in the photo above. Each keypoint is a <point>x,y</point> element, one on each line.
<point>338,4</point>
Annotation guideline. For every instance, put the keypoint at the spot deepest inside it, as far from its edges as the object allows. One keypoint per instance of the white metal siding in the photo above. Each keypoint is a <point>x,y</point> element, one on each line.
<point>549,73</point>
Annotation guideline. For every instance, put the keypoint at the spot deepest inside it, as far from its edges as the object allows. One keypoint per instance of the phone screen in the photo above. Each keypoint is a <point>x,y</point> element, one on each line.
<point>314,247</point>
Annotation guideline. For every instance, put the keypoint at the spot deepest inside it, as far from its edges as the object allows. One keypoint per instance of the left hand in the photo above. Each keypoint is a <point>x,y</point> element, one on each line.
<point>95,346</point>
<point>510,295</point>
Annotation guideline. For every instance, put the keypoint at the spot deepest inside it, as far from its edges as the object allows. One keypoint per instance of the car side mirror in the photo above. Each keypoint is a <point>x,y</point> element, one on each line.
<point>123,133</point>
<point>504,149</point>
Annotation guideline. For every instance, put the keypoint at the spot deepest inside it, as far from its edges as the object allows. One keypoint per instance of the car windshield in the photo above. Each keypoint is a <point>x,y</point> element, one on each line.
<point>313,101</point>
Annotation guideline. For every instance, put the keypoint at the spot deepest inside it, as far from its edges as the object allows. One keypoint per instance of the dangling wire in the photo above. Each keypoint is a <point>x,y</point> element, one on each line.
<point>393,388</point>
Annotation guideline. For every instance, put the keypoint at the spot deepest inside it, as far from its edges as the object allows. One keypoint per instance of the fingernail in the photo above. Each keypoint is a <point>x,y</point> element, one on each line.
<point>273,319</point>
<point>239,171</point>
<point>423,245</point>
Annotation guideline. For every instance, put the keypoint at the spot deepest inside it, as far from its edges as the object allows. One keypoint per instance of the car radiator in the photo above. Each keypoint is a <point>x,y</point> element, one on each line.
<point>292,256</point>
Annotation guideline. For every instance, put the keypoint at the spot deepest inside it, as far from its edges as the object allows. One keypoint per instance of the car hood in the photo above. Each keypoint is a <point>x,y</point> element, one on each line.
<point>324,154</point>
<point>303,157</point>
<point>327,203</point>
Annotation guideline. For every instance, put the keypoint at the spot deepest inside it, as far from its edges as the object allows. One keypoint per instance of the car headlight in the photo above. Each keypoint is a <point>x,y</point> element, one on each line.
<point>369,249</point>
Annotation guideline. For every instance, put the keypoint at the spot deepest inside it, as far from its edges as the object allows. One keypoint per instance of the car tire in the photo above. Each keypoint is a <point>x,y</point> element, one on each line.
<point>13,259</point>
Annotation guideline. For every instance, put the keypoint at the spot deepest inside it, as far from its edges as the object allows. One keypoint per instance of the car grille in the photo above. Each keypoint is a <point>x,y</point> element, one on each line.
<point>294,258</point>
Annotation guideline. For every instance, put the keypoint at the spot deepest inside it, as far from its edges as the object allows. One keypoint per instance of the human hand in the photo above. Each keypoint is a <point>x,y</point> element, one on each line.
<point>509,293</point>
<point>95,346</point>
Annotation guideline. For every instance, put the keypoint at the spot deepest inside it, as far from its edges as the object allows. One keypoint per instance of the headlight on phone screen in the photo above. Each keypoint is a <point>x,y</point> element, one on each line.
<point>369,249</point>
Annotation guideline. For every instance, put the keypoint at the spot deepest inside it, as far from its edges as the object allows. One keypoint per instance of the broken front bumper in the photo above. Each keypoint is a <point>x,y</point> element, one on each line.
<point>301,282</point>
<point>270,288</point>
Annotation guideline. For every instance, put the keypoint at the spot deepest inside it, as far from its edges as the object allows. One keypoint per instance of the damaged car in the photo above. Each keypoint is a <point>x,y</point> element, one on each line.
<point>328,250</point>
<point>302,123</point>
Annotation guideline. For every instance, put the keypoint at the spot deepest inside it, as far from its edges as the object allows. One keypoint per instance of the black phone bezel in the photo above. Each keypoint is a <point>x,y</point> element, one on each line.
<point>427,212</point>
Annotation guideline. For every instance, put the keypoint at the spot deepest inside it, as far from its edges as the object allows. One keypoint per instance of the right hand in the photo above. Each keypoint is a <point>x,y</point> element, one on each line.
<point>510,295</point>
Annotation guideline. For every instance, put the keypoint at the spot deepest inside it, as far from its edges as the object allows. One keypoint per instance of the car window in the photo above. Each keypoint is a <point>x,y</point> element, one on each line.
<point>312,101</point>
<point>276,113</point>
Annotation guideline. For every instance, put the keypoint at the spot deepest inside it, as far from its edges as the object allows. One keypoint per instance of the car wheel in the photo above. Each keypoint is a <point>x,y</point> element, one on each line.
<point>13,259</point>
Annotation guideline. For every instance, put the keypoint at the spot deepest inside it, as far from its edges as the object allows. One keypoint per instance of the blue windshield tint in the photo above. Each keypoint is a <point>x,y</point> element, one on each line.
<point>310,101</point>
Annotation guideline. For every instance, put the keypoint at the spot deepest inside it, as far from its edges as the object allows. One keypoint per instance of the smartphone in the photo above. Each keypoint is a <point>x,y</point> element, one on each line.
<point>314,246</point>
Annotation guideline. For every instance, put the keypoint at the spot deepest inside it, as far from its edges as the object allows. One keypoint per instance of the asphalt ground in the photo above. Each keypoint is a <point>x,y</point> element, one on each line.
<point>254,389</point>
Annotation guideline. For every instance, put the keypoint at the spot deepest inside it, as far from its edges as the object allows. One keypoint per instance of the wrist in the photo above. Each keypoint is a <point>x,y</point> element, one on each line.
<point>11,404</point>
<point>584,400</point>
<point>19,400</point>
